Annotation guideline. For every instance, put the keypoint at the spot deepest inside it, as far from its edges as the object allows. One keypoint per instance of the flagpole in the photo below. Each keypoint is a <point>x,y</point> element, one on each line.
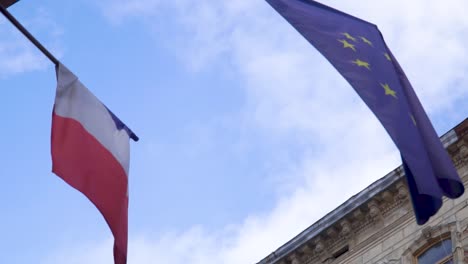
<point>28,35</point>
<point>31,38</point>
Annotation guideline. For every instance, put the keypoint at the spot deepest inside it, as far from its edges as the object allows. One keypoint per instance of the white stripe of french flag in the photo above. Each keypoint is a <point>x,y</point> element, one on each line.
<point>91,152</point>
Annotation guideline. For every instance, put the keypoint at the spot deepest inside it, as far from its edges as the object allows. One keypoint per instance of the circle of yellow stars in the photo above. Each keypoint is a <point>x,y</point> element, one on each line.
<point>349,42</point>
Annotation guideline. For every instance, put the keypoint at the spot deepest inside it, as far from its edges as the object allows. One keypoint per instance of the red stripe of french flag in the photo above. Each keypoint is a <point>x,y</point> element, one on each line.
<point>91,152</point>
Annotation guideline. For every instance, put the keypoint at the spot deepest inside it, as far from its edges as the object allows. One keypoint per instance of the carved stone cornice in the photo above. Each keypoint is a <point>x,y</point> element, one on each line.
<point>459,152</point>
<point>294,258</point>
<point>368,216</point>
<point>402,191</point>
<point>461,158</point>
<point>306,250</point>
<point>379,213</point>
<point>332,232</point>
<point>345,227</point>
<point>358,214</point>
<point>387,196</point>
<point>374,210</point>
<point>319,245</point>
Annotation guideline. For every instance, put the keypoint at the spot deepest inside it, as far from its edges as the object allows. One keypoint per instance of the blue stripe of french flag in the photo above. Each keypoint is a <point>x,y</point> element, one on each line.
<point>91,152</point>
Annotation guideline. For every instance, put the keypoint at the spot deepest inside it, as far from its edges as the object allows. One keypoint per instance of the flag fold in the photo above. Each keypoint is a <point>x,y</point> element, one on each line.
<point>356,48</point>
<point>91,152</point>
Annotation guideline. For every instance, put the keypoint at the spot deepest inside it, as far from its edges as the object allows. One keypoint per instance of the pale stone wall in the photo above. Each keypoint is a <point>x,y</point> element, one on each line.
<point>399,236</point>
<point>383,230</point>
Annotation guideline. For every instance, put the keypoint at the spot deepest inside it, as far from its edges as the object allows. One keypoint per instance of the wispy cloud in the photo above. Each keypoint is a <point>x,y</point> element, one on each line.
<point>17,54</point>
<point>292,92</point>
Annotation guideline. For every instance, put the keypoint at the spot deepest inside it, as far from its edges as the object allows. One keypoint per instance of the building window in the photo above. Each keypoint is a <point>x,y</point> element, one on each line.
<point>437,253</point>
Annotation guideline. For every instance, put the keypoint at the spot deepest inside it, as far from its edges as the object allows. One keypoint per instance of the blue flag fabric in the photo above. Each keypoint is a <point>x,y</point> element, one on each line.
<point>356,48</point>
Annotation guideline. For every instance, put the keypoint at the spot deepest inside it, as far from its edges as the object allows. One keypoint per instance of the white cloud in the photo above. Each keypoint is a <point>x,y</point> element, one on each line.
<point>292,92</point>
<point>428,38</point>
<point>88,253</point>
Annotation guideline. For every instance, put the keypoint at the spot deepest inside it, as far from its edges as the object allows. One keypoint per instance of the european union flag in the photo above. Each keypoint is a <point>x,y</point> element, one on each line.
<point>358,51</point>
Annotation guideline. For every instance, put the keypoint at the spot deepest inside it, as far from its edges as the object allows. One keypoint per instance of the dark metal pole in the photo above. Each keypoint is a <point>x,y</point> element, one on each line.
<point>28,35</point>
<point>31,38</point>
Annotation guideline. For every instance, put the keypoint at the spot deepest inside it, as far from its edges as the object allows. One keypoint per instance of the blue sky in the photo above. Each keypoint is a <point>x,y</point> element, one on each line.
<point>247,134</point>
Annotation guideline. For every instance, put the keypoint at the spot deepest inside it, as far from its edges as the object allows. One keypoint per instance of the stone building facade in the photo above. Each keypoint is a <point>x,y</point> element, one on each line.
<point>377,225</point>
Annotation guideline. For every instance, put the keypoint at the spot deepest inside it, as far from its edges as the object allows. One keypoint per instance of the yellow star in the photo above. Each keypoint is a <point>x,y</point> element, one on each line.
<point>346,44</point>
<point>388,90</point>
<point>361,63</point>
<point>414,120</point>
<point>348,36</point>
<point>366,41</point>
<point>387,56</point>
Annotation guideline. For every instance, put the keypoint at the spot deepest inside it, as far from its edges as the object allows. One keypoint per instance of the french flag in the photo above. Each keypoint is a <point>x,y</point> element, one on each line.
<point>91,152</point>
